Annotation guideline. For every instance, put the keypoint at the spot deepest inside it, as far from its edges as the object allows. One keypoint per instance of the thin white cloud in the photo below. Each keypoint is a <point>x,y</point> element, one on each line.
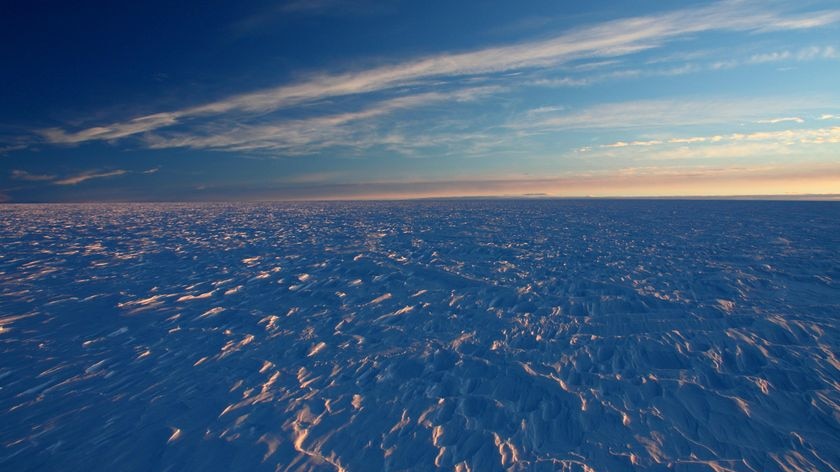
<point>663,113</point>
<point>305,136</point>
<point>11,148</point>
<point>29,177</point>
<point>724,150</point>
<point>603,74</point>
<point>314,178</point>
<point>620,144</point>
<point>18,174</point>
<point>546,109</point>
<point>691,140</point>
<point>85,176</point>
<point>601,41</point>
<point>784,138</point>
<point>564,82</point>
<point>793,119</point>
<point>804,54</point>
<point>111,132</point>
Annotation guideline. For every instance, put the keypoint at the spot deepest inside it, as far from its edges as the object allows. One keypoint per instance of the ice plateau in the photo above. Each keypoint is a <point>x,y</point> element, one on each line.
<point>542,335</point>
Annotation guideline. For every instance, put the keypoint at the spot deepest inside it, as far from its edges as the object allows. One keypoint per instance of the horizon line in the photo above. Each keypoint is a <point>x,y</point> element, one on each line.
<point>816,197</point>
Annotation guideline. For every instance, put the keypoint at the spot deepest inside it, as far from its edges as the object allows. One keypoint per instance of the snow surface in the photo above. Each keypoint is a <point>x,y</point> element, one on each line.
<point>464,335</point>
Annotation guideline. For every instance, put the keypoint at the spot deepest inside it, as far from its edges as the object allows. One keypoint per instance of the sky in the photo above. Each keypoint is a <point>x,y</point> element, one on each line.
<point>335,99</point>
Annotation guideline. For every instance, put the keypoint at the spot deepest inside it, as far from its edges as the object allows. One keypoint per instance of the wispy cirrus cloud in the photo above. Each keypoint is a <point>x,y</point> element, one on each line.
<point>810,53</point>
<point>664,113</point>
<point>758,144</point>
<point>693,62</point>
<point>789,119</point>
<point>11,148</point>
<point>307,135</point>
<point>804,54</point>
<point>111,132</point>
<point>618,74</point>
<point>18,174</point>
<point>597,42</point>
<point>74,179</point>
<point>85,176</point>
<point>621,144</point>
<point>790,136</point>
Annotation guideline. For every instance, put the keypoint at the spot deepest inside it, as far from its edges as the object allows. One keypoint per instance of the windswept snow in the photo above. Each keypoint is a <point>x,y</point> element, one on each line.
<point>467,336</point>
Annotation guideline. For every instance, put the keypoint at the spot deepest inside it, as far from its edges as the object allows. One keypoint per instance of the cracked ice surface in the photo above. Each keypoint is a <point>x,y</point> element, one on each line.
<point>464,335</point>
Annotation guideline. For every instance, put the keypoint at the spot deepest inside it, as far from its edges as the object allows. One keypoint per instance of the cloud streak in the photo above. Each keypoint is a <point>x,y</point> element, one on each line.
<point>304,136</point>
<point>665,113</point>
<point>85,176</point>
<point>29,177</point>
<point>792,119</point>
<point>75,179</point>
<point>805,54</point>
<point>802,143</point>
<point>803,136</point>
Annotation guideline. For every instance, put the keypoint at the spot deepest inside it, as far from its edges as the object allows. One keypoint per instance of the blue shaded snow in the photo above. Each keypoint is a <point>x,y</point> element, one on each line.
<point>461,335</point>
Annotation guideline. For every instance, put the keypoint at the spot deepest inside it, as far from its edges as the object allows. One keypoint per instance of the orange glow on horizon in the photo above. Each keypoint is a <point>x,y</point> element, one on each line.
<point>815,181</point>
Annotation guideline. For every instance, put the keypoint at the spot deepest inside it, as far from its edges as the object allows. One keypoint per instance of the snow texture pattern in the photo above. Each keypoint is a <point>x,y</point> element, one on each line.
<point>460,335</point>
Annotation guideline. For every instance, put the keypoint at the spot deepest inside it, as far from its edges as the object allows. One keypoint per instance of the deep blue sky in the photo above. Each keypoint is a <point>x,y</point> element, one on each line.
<point>338,99</point>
